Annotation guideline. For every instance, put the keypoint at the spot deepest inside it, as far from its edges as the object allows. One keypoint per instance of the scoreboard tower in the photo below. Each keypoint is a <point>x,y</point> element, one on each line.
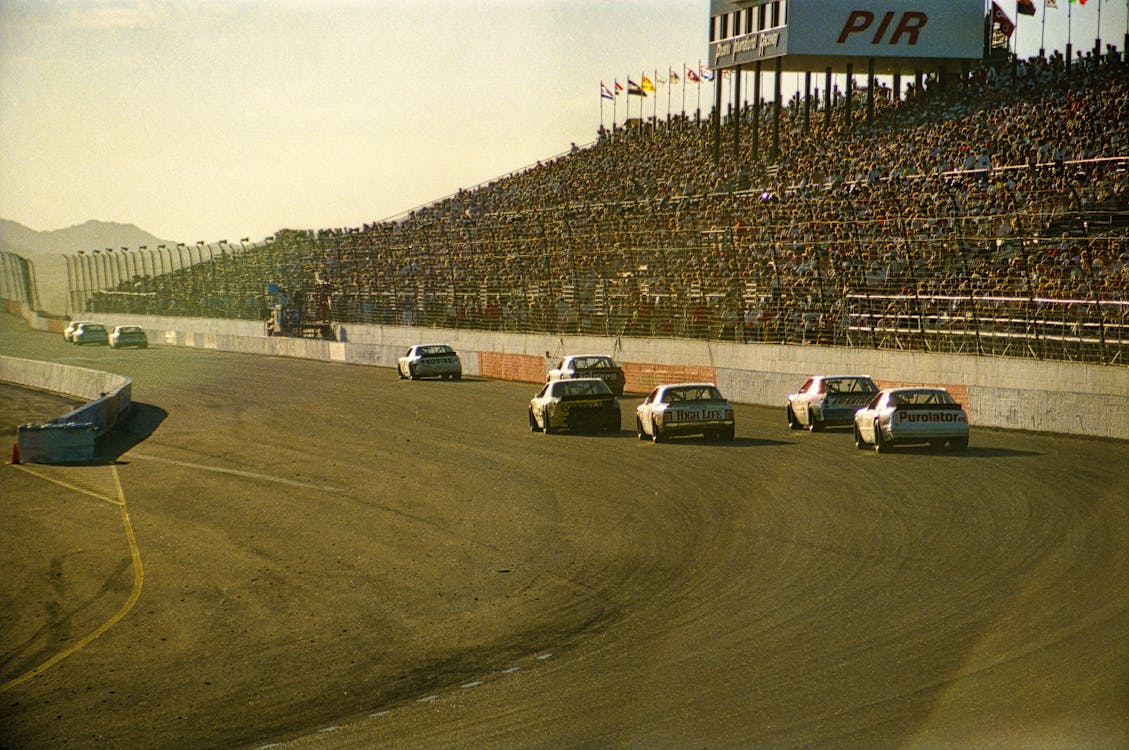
<point>889,37</point>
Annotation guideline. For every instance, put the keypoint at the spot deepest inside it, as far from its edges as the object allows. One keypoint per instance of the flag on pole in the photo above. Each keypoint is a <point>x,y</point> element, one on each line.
<point>1002,21</point>
<point>618,87</point>
<point>605,92</point>
<point>634,89</point>
<point>647,84</point>
<point>1051,4</point>
<point>691,76</point>
<point>706,73</point>
<point>1080,2</point>
<point>1025,7</point>
<point>673,78</point>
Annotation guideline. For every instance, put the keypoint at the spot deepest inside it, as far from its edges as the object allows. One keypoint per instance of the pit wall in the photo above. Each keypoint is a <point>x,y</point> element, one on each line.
<point>1021,394</point>
<point>71,437</point>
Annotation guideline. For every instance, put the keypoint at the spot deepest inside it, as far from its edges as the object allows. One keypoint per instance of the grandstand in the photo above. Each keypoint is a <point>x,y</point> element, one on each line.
<point>986,213</point>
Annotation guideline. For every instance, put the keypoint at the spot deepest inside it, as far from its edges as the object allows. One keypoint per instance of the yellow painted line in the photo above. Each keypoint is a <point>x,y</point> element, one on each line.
<point>56,480</point>
<point>135,594</point>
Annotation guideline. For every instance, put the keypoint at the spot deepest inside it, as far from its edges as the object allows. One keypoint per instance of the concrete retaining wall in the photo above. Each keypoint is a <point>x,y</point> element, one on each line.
<point>997,392</point>
<point>71,437</point>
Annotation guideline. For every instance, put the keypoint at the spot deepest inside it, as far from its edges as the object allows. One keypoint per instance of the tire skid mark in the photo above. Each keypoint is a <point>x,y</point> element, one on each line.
<point>118,498</point>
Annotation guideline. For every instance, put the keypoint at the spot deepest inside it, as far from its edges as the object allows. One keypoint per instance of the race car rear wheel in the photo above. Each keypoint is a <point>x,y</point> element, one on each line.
<point>533,426</point>
<point>859,442</point>
<point>729,433</point>
<point>546,423</point>
<point>959,444</point>
<point>639,429</point>
<point>812,424</point>
<point>656,434</point>
<point>880,445</point>
<point>793,423</point>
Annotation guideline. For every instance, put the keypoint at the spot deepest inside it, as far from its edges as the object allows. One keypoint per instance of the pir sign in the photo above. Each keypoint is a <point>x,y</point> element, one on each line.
<point>815,33</point>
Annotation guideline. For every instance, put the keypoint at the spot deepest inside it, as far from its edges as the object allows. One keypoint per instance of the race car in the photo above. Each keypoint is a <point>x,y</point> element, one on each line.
<point>90,333</point>
<point>574,405</point>
<point>590,366</point>
<point>684,409</point>
<point>123,336</point>
<point>68,332</point>
<point>911,415</point>
<point>826,400</point>
<point>430,361</point>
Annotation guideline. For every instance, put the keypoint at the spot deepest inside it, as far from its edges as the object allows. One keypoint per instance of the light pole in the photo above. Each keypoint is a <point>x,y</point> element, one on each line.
<point>69,304</point>
<point>124,255</point>
<point>84,279</point>
<point>112,273</point>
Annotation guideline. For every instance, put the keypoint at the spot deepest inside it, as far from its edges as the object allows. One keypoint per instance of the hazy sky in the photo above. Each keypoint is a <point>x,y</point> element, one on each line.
<point>215,119</point>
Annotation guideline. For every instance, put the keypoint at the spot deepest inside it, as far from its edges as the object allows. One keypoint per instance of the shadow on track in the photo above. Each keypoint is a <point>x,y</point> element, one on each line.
<point>141,422</point>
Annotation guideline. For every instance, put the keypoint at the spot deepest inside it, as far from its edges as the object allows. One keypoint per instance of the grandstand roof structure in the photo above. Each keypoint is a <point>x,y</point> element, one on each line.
<point>898,36</point>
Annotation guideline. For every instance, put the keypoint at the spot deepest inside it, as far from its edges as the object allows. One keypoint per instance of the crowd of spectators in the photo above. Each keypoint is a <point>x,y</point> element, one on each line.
<point>980,213</point>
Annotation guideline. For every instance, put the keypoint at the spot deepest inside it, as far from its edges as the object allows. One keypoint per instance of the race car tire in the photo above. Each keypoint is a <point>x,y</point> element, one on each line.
<point>457,376</point>
<point>859,442</point>
<point>880,445</point>
<point>813,425</point>
<point>959,444</point>
<point>639,429</point>
<point>656,434</point>
<point>533,426</point>
<point>793,423</point>
<point>547,425</point>
<point>729,433</point>
<point>412,372</point>
<point>612,425</point>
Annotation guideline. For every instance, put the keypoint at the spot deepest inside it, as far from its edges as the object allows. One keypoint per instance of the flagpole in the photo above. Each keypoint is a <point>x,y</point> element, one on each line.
<point>642,100</point>
<point>684,85</point>
<point>601,106</point>
<point>699,88</point>
<point>1069,46</point>
<point>1098,40</point>
<point>669,87</point>
<point>615,100</point>
<point>655,106</point>
<point>1043,34</point>
<point>1015,43</point>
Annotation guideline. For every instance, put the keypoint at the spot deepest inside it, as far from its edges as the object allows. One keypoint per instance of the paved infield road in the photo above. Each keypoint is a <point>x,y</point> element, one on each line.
<point>321,556</point>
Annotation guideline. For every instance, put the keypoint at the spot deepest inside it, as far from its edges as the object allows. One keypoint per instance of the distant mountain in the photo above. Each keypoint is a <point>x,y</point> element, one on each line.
<point>16,238</point>
<point>46,250</point>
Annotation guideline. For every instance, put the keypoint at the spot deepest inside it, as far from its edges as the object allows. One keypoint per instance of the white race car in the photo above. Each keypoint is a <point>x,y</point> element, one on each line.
<point>684,409</point>
<point>574,405</point>
<point>911,415</point>
<point>68,332</point>
<point>431,361</point>
<point>590,366</point>
<point>123,336</point>
<point>826,400</point>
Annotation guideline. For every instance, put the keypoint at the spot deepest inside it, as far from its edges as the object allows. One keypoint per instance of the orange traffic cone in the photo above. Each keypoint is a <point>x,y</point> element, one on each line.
<point>15,454</point>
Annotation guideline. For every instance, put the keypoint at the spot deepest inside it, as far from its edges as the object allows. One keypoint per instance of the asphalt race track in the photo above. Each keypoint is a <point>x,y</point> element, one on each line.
<point>314,555</point>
